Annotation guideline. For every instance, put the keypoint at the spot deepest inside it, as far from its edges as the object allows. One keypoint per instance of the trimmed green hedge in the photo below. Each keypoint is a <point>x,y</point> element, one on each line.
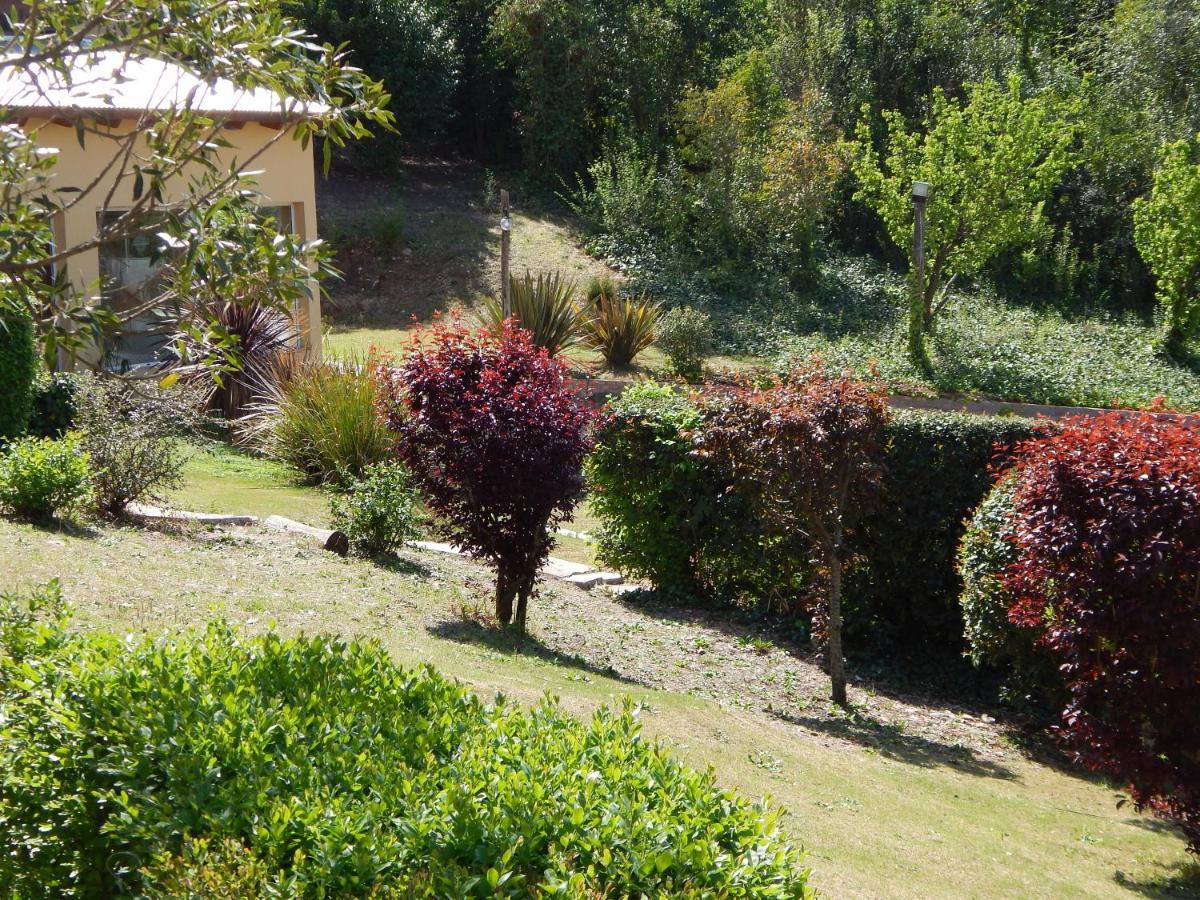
<point>1031,678</point>
<point>668,520</point>
<point>18,368</point>
<point>342,775</point>
<point>938,468</point>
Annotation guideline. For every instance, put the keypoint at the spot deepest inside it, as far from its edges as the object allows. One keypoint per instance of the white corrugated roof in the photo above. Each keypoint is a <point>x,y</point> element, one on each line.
<point>113,83</point>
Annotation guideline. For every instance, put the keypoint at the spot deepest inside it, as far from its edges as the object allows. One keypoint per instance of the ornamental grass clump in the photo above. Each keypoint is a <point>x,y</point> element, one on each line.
<point>545,307</point>
<point>219,764</point>
<point>495,437</point>
<point>323,421</point>
<point>1106,574</point>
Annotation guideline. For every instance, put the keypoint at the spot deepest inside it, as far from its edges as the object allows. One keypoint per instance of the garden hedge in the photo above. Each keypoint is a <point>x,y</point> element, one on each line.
<point>341,774</point>
<point>938,468</point>
<point>665,519</point>
<point>18,368</point>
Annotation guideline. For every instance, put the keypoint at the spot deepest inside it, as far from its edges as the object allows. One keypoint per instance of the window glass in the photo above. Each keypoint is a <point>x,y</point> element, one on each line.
<point>129,268</point>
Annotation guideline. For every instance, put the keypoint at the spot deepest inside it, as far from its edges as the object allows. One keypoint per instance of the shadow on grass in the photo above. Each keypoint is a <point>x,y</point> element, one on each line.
<point>893,743</point>
<point>508,642</point>
<point>401,565</point>
<point>59,527</point>
<point>1183,880</point>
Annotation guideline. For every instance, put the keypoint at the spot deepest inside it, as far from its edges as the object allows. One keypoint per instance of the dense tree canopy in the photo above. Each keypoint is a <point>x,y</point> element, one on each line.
<point>1167,229</point>
<point>708,134</point>
<point>991,163</point>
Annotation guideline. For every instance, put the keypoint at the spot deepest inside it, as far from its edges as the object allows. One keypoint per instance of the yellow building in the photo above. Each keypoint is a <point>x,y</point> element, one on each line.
<point>116,95</point>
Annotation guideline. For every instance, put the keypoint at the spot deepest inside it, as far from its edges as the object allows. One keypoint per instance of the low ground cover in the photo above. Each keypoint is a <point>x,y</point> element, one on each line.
<point>907,790</point>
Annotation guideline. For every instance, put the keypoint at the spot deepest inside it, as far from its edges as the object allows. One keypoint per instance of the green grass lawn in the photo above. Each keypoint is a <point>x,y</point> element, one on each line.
<point>218,478</point>
<point>882,812</point>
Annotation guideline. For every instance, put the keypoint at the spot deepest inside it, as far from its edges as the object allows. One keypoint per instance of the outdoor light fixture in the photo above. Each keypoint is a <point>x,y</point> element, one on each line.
<point>505,223</point>
<point>920,191</point>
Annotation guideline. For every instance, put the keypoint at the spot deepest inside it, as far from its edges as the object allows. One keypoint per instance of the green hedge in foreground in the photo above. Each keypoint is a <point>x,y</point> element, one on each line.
<point>342,775</point>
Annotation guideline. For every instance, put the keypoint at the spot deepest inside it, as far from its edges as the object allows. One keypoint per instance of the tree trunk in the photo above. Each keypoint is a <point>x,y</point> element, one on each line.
<point>837,665</point>
<point>917,326</point>
<point>505,591</point>
<point>522,605</point>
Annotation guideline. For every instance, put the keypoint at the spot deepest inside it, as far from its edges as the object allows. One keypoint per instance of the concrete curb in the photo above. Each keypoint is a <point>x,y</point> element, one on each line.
<point>150,513</point>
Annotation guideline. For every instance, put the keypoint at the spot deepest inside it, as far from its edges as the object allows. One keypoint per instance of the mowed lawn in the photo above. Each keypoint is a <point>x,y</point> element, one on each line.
<point>891,817</point>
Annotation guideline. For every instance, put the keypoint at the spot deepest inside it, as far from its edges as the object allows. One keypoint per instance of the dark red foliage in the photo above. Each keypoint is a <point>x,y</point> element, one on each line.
<point>496,439</point>
<point>1108,533</point>
<point>807,453</point>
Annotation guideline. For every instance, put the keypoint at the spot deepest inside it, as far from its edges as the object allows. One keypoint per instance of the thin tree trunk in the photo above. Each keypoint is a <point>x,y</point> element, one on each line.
<point>522,606</point>
<point>837,665</point>
<point>505,591</point>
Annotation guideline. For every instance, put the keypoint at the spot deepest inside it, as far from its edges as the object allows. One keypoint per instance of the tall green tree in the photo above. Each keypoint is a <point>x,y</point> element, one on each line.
<point>1167,231</point>
<point>992,162</point>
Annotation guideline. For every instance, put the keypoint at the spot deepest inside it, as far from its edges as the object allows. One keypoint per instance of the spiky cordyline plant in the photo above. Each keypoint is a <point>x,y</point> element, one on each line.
<point>544,307</point>
<point>617,327</point>
<point>264,342</point>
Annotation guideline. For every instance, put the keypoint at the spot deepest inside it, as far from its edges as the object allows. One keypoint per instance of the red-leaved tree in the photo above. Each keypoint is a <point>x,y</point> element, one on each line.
<point>496,438</point>
<point>1107,530</point>
<point>807,452</point>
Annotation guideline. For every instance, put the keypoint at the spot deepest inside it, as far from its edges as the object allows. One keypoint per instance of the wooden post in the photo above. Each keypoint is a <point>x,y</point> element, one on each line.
<point>505,230</point>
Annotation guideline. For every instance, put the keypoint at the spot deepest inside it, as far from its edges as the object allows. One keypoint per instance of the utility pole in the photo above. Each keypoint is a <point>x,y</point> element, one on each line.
<point>505,233</point>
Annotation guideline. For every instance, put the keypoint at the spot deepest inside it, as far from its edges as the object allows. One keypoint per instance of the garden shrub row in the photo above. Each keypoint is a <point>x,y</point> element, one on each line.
<point>938,467</point>
<point>317,768</point>
<point>668,518</point>
<point>1083,580</point>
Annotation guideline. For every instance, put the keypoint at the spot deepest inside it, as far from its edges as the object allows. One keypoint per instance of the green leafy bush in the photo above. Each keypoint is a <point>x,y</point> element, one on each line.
<point>207,870</point>
<point>18,366</point>
<point>53,404</point>
<point>544,307</point>
<point>685,335</point>
<point>651,496</point>
<point>41,478</point>
<point>617,327</point>
<point>323,421</point>
<point>937,469</point>
<point>341,774</point>
<point>378,513</point>
<point>984,556</point>
<point>130,433</point>
<point>669,517</point>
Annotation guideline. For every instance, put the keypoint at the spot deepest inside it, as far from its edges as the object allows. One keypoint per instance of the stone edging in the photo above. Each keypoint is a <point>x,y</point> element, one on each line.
<point>578,574</point>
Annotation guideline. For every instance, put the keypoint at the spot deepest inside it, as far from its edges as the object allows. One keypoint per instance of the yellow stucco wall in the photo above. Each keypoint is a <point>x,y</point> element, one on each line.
<point>285,178</point>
